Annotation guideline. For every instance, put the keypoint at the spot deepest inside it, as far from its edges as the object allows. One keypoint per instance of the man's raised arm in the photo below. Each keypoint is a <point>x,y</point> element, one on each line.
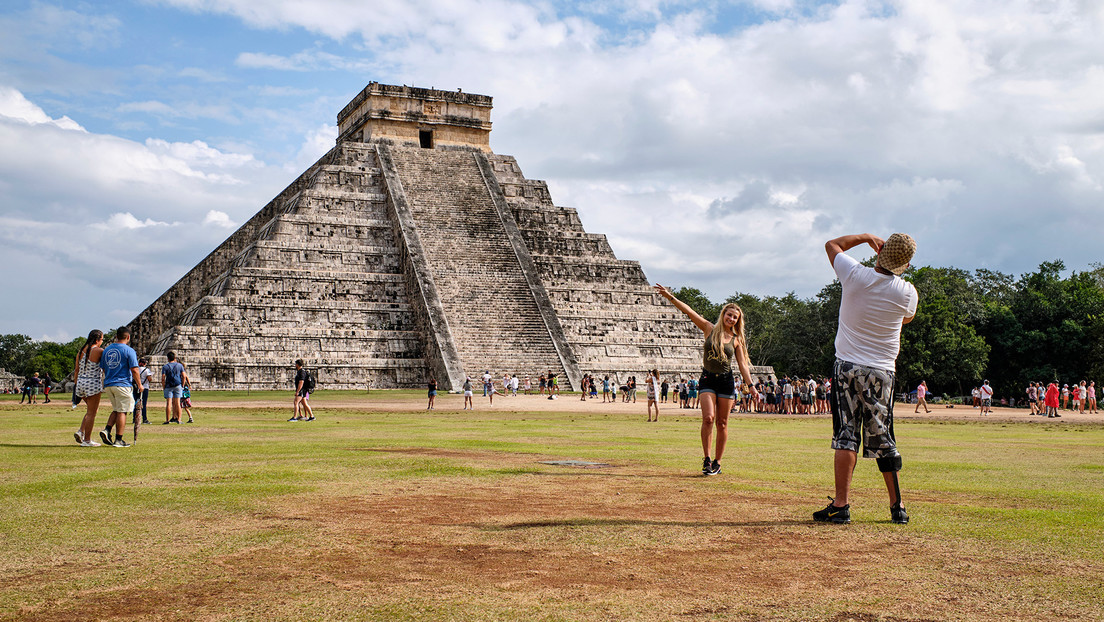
<point>847,242</point>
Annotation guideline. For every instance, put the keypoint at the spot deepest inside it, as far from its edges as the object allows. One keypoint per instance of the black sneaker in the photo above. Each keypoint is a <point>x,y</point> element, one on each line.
<point>833,514</point>
<point>714,468</point>
<point>707,466</point>
<point>105,436</point>
<point>898,515</point>
<point>119,442</point>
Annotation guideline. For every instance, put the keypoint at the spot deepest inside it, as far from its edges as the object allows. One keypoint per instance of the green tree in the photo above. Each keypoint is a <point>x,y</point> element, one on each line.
<point>940,345</point>
<point>55,358</point>
<point>16,352</point>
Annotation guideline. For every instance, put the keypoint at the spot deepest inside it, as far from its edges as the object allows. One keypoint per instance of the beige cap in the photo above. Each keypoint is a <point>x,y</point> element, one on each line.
<point>897,252</point>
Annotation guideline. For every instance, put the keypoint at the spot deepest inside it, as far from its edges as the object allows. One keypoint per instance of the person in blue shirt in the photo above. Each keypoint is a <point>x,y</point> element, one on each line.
<point>120,365</point>
<point>173,379</point>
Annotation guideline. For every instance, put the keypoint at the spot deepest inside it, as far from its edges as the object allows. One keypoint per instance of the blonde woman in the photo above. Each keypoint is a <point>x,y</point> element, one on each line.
<point>717,387</point>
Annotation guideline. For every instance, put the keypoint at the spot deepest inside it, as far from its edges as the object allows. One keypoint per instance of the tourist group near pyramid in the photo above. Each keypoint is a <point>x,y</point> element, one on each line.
<point>412,250</point>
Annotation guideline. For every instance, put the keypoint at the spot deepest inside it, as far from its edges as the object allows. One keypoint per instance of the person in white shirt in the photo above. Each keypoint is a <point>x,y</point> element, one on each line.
<point>875,304</point>
<point>986,395</point>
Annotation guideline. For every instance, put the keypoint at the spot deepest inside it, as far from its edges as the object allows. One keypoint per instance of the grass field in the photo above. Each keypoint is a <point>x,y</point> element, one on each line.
<point>380,510</point>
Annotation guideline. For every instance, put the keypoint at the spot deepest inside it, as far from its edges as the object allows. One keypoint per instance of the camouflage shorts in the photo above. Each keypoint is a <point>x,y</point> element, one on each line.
<point>862,403</point>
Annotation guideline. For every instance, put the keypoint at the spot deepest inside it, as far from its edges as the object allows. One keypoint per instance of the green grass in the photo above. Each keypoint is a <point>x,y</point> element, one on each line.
<point>991,487</point>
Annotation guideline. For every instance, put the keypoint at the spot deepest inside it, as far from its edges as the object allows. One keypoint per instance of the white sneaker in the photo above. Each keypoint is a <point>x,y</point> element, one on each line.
<point>90,444</point>
<point>80,437</point>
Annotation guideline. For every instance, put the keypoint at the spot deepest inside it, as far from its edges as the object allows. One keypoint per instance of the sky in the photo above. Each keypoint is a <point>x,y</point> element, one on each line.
<point>718,143</point>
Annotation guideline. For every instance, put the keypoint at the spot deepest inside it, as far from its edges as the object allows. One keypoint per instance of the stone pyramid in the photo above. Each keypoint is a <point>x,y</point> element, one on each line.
<point>411,250</point>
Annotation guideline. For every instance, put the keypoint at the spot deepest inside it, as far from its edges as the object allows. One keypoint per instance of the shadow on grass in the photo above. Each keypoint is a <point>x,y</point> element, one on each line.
<point>628,522</point>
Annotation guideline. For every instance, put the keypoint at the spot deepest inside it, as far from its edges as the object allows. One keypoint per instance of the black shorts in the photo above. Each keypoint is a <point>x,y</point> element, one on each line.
<point>723,385</point>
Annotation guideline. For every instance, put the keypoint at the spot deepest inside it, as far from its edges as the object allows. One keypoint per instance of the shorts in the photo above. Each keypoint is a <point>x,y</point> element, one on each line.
<point>721,385</point>
<point>693,393</point>
<point>173,392</point>
<point>305,394</point>
<point>185,402</point>
<point>467,393</point>
<point>987,403</point>
<point>432,393</point>
<point>122,399</point>
<point>862,407</point>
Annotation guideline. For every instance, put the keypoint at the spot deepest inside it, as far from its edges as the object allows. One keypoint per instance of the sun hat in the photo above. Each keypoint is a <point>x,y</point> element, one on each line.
<point>897,252</point>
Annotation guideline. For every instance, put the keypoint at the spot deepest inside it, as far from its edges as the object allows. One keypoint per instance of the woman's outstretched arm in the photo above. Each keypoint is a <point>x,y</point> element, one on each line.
<point>702,323</point>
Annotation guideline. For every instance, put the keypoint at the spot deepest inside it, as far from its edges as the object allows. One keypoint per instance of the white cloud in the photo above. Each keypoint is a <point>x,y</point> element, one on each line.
<point>115,221</point>
<point>315,144</point>
<point>218,219</point>
<point>127,221</point>
<point>15,106</point>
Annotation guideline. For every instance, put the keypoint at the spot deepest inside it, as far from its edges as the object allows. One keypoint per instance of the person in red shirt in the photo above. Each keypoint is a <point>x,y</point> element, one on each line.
<point>1051,400</point>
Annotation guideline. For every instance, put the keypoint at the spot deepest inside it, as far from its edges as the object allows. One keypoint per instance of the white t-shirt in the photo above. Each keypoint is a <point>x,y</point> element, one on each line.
<point>871,312</point>
<point>986,392</point>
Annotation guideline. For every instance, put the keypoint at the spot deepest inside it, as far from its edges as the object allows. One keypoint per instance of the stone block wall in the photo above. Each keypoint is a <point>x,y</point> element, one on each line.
<point>321,279</point>
<point>493,319</point>
<point>616,324</point>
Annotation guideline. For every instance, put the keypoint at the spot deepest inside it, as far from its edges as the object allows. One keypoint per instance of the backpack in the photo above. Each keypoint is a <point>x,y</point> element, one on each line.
<point>309,383</point>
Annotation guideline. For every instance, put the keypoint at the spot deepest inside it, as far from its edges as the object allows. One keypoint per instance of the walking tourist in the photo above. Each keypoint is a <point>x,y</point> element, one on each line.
<point>89,385</point>
<point>875,304</point>
<point>172,387</point>
<point>47,385</point>
<point>303,388</point>
<point>468,393</point>
<point>723,341</point>
<point>186,400</point>
<point>120,365</point>
<point>922,396</point>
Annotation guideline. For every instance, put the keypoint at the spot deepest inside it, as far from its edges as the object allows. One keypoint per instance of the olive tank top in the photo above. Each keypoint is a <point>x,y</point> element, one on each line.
<point>719,363</point>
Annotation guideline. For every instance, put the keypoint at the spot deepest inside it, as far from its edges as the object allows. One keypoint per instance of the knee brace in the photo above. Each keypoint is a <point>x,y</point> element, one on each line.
<point>891,464</point>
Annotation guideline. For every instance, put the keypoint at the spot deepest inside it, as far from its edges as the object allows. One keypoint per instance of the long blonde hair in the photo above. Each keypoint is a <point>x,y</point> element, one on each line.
<point>714,340</point>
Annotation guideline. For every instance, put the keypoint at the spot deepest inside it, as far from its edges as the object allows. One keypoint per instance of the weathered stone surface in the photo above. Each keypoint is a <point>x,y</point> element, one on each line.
<point>391,259</point>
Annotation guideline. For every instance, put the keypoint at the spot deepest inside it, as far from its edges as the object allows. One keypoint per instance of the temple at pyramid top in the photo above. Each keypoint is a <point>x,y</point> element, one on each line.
<point>411,251</point>
<point>407,115</point>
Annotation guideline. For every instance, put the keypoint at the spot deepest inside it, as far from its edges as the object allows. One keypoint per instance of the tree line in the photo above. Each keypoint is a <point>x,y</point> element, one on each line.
<point>969,327</point>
